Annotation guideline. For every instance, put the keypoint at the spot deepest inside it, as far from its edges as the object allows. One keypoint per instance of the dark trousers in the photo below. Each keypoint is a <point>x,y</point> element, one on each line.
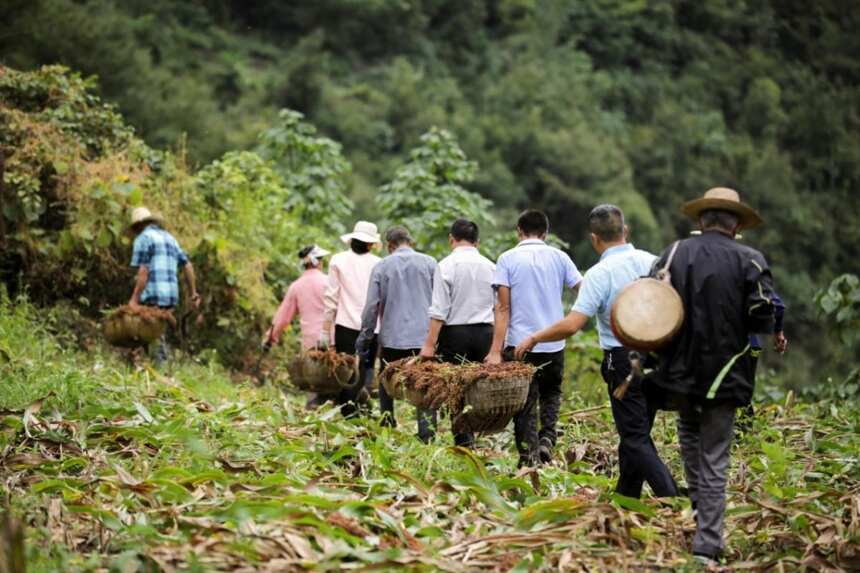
<point>469,343</point>
<point>426,418</point>
<point>350,398</point>
<point>543,402</point>
<point>638,459</point>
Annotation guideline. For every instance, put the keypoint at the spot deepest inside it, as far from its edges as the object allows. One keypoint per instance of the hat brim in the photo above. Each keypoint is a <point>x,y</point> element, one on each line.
<point>363,237</point>
<point>749,217</point>
<point>157,219</point>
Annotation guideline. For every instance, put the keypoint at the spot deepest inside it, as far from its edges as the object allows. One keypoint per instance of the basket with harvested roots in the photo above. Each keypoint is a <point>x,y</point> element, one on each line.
<point>323,371</point>
<point>134,327</point>
<point>480,397</point>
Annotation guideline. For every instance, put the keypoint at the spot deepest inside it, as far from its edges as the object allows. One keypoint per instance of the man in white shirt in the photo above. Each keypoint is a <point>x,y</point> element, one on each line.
<point>461,311</point>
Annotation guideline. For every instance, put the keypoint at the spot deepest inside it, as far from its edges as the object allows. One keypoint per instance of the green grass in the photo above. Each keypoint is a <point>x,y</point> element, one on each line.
<point>120,468</point>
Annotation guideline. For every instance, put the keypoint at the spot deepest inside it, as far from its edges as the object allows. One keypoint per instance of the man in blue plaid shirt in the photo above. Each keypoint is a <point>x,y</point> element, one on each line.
<point>158,257</point>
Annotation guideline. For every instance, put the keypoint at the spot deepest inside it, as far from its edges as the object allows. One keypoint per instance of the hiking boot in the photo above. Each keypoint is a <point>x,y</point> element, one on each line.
<point>545,450</point>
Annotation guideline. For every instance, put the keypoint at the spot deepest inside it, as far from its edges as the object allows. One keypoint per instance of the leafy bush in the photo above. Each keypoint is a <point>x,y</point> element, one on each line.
<point>73,171</point>
<point>840,304</point>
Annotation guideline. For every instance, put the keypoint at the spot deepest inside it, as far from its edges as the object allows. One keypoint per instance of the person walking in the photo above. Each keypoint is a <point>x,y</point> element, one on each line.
<point>461,311</point>
<point>398,298</point>
<point>706,372</point>
<point>345,294</point>
<point>158,258</point>
<point>620,264</point>
<point>529,281</point>
<point>305,297</point>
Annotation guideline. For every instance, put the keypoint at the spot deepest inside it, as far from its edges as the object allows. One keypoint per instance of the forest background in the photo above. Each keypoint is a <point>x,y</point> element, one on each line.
<point>548,104</point>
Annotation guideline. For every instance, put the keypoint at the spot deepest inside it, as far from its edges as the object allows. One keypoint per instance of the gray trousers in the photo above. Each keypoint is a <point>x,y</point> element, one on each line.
<point>705,432</point>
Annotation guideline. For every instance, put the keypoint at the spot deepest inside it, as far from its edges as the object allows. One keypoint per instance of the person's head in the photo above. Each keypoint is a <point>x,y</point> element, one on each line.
<point>359,247</point>
<point>532,224</point>
<point>463,232</point>
<point>718,220</point>
<point>721,209</point>
<point>396,237</point>
<point>362,238</point>
<point>141,218</point>
<point>311,257</point>
<point>606,224</point>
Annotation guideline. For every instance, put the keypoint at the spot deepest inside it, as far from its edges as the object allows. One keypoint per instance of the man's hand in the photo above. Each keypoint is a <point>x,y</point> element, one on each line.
<point>196,299</point>
<point>427,353</point>
<point>268,341</point>
<point>133,304</point>
<point>524,348</point>
<point>780,342</point>
<point>494,357</point>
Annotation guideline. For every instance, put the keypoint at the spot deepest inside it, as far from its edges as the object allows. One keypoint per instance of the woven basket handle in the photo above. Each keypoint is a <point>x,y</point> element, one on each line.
<point>663,274</point>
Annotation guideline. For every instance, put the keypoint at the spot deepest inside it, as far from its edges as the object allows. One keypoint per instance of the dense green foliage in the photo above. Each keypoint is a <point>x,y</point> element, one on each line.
<point>427,193</point>
<point>561,104</point>
<point>116,467</point>
<point>73,171</point>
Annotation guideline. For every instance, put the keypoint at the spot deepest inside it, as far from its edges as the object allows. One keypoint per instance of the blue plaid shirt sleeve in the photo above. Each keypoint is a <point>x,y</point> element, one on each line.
<point>181,256</point>
<point>143,251</point>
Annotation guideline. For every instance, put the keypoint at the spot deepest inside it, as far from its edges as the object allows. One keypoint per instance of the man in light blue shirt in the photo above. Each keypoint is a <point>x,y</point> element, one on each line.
<point>620,264</point>
<point>529,281</point>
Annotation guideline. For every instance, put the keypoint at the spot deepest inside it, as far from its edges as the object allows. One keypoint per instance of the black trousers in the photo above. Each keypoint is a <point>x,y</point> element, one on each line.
<point>348,398</point>
<point>543,402</point>
<point>638,459</point>
<point>426,418</point>
<point>465,342</point>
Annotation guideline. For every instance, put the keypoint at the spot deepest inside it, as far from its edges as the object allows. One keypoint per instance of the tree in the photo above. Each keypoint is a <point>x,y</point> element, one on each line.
<point>313,169</point>
<point>427,194</point>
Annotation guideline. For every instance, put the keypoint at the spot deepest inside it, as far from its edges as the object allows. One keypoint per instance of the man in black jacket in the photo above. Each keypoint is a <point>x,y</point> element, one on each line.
<point>707,370</point>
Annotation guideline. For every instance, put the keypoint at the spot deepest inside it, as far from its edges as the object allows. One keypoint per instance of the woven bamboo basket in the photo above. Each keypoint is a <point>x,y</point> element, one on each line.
<point>489,405</point>
<point>312,375</point>
<point>405,391</point>
<point>132,330</point>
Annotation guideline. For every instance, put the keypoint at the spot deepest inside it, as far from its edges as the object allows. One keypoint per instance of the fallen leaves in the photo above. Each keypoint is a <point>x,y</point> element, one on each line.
<point>128,468</point>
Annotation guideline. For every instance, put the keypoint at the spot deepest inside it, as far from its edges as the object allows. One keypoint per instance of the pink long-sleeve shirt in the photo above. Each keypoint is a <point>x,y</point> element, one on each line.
<point>305,297</point>
<point>349,276</point>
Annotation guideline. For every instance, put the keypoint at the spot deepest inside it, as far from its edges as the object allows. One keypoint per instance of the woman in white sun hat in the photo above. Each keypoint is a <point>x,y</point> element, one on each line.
<point>348,279</point>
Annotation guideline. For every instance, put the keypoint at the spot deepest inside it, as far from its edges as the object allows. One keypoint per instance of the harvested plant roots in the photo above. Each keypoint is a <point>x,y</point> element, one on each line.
<point>445,384</point>
<point>148,314</point>
<point>332,359</point>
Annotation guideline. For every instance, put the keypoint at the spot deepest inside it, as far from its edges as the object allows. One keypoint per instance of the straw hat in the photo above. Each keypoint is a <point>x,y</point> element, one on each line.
<point>723,199</point>
<point>143,215</point>
<point>363,231</point>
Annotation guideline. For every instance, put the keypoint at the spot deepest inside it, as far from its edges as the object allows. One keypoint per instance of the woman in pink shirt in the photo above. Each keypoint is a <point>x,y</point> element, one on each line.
<point>349,277</point>
<point>305,297</point>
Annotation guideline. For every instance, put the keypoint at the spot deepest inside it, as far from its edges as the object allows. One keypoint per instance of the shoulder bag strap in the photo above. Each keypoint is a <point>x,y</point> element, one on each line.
<point>663,274</point>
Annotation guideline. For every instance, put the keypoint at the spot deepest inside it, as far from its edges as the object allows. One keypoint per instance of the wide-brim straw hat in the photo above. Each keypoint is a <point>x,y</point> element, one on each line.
<point>364,231</point>
<point>143,215</point>
<point>723,199</point>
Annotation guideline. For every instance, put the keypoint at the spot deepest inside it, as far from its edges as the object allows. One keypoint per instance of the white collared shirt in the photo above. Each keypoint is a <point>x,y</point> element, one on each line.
<point>463,288</point>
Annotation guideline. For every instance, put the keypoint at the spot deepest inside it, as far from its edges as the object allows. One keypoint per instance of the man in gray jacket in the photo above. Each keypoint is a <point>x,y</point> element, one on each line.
<point>398,298</point>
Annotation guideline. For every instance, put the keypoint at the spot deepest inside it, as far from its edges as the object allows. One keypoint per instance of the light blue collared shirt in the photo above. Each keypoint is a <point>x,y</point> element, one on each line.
<point>536,274</point>
<point>618,267</point>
